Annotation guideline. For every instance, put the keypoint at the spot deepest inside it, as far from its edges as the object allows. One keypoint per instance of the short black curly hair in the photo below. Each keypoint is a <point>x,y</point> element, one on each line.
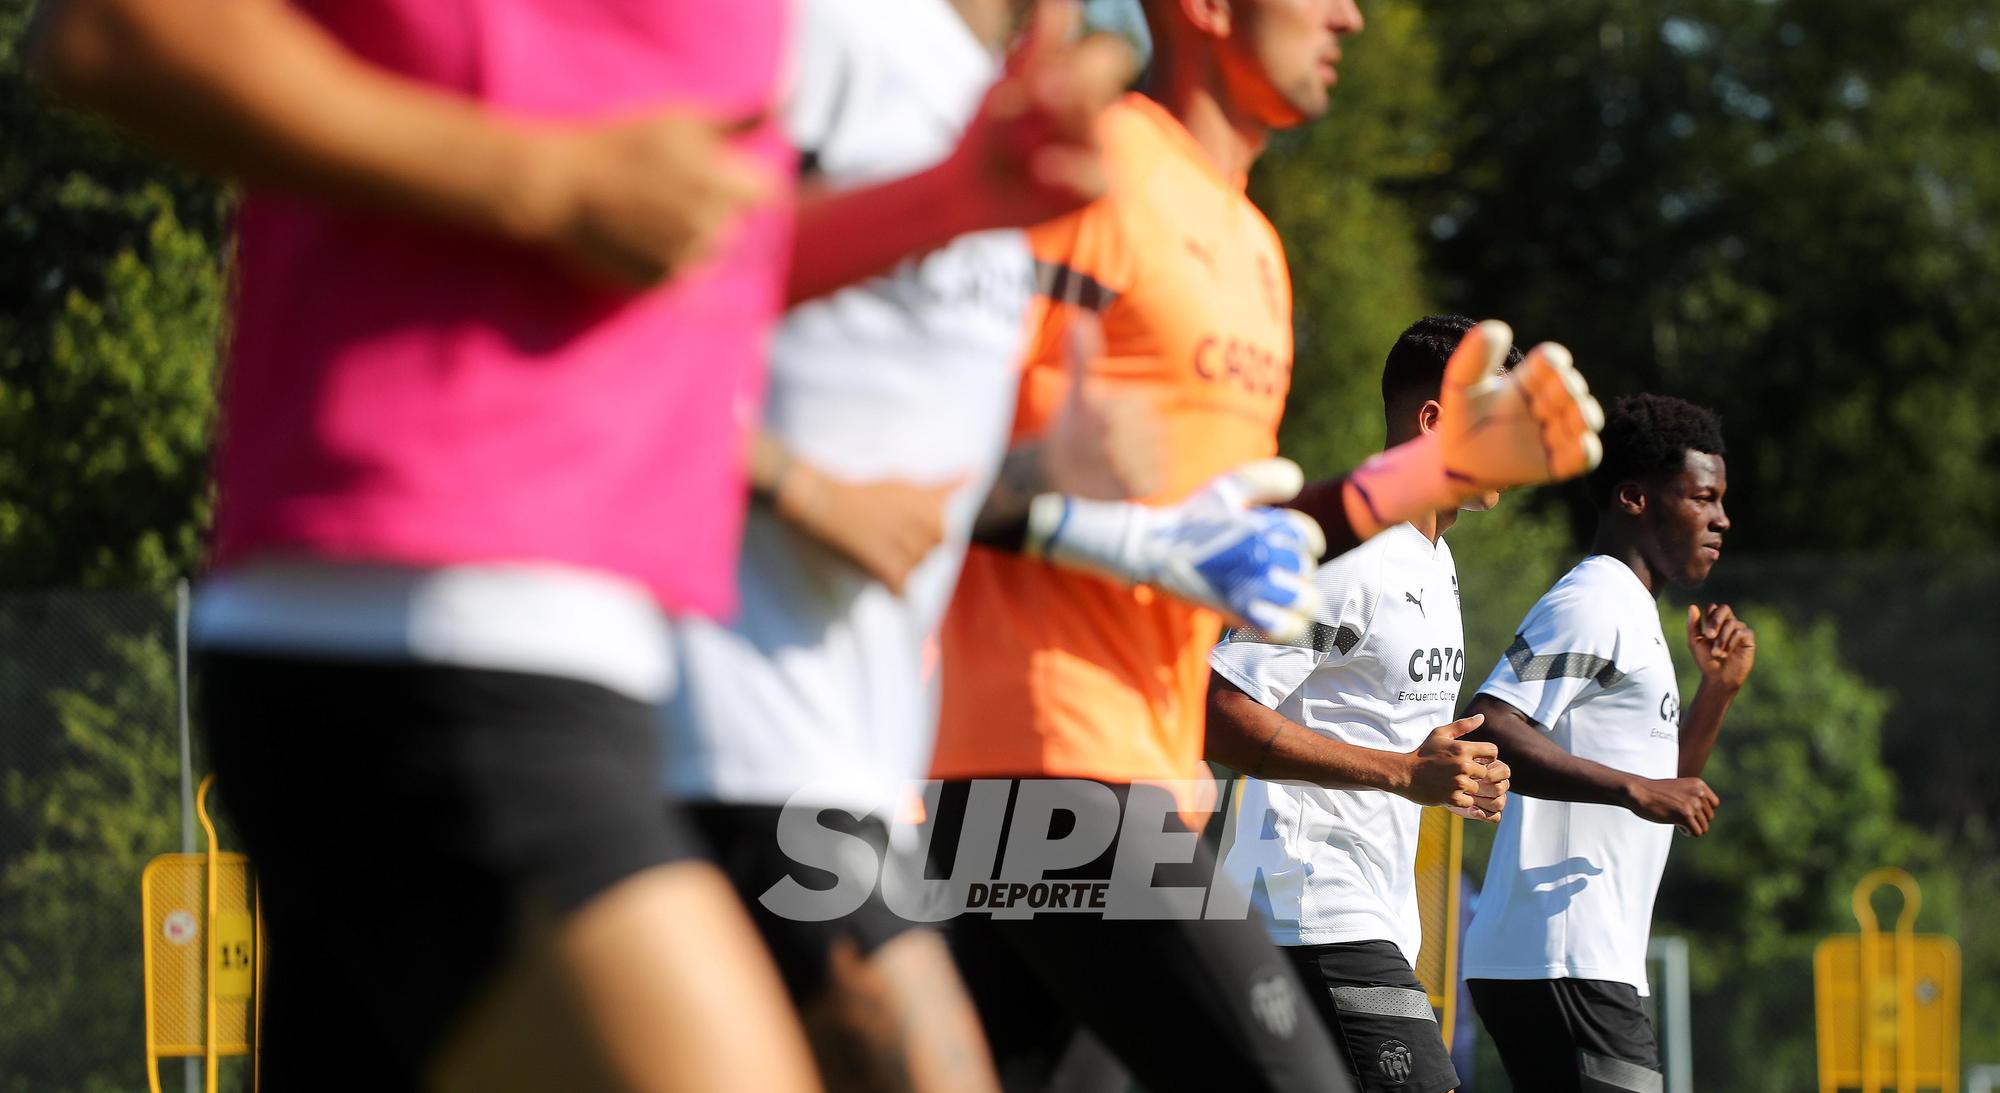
<point>1416,362</point>
<point>1647,438</point>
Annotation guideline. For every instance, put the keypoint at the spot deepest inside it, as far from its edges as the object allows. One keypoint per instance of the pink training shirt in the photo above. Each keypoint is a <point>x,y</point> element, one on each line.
<point>408,394</point>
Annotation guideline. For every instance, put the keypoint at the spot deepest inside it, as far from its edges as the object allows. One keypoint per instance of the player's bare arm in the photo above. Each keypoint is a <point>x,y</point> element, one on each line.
<point>254,89</point>
<point>1724,650</point>
<point>1539,768</point>
<point>886,527</point>
<point>1101,445</point>
<point>1447,771</point>
<point>1030,154</point>
<point>1498,429</point>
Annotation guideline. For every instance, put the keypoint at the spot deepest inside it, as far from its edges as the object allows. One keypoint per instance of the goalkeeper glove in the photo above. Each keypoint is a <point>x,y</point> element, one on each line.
<point>1496,430</point>
<point>1219,549</point>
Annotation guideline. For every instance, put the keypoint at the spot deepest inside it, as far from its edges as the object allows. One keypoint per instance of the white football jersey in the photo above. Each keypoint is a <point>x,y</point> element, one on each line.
<point>1381,669</point>
<point>821,681</point>
<point>1569,888</point>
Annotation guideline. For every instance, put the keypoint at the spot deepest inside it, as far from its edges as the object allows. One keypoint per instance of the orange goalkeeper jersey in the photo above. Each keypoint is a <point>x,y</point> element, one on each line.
<point>1048,672</point>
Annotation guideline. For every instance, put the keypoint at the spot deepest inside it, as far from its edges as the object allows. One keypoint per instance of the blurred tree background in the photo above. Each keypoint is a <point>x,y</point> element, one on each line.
<point>1788,210</point>
<point>110,290</point>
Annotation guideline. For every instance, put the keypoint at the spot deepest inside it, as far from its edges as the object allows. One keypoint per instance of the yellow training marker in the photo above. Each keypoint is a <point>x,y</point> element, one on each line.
<point>202,945</point>
<point>1887,1005</point>
<point>1440,844</point>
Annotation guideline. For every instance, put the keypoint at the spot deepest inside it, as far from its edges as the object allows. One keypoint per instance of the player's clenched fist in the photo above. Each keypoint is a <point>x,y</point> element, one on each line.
<point>637,200</point>
<point>1465,776</point>
<point>1031,151</point>
<point>1222,548</point>
<point>1686,803</point>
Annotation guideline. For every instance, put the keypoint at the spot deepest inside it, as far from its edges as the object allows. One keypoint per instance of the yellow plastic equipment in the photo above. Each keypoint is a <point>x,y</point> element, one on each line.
<point>1887,1007</point>
<point>204,940</point>
<point>1440,846</point>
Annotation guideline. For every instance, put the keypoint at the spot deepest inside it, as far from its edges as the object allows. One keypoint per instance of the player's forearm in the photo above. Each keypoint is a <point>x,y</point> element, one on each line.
<point>1541,769</point>
<point>1701,725</point>
<point>1002,522</point>
<point>254,89</point>
<point>1327,502</point>
<point>846,237</point>
<point>1248,736</point>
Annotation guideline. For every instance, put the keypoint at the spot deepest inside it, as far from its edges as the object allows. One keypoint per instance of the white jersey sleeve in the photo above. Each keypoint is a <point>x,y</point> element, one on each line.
<point>1565,651</point>
<point>823,69</point>
<point>1269,671</point>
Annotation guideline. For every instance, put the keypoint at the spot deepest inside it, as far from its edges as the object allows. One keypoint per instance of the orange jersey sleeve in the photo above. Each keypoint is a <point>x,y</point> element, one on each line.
<point>1059,673</point>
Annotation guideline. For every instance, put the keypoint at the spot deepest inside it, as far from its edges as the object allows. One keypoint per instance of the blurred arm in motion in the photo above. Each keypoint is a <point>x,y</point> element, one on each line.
<point>885,527</point>
<point>256,90</point>
<point>1029,154</point>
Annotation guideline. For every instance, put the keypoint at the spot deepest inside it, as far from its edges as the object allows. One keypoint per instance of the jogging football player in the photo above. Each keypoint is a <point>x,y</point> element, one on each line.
<point>1587,714</point>
<point>437,444</point>
<point>814,696</point>
<point>459,481</point>
<point>1055,675</point>
<point>1343,738</point>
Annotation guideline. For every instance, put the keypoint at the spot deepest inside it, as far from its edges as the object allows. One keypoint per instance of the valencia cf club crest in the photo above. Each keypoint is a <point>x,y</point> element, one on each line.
<point>1396,1061</point>
<point>1272,1001</point>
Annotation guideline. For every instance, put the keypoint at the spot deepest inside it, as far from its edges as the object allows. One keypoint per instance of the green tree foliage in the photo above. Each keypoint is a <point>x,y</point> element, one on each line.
<point>109,296</point>
<point>1787,210</point>
<point>1351,243</point>
<point>1807,809</point>
<point>87,796</point>
<point>110,289</point>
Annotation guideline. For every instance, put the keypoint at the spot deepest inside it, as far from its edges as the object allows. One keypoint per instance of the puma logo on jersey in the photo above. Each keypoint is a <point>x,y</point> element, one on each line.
<point>1413,598</point>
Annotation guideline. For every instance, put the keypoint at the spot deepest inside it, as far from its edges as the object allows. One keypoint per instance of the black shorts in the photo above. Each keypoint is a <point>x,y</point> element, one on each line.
<point>1184,1004</point>
<point>1379,1013</point>
<point>743,840</point>
<point>1570,1035</point>
<point>406,823</point>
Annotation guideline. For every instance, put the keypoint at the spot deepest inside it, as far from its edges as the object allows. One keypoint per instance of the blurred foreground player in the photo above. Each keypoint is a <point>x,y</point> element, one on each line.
<point>1067,676</point>
<point>1587,714</point>
<point>814,696</point>
<point>891,396</point>
<point>1343,737</point>
<point>460,474</point>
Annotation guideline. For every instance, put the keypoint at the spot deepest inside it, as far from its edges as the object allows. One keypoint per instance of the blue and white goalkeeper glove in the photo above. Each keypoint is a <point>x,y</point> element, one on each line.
<point>1221,548</point>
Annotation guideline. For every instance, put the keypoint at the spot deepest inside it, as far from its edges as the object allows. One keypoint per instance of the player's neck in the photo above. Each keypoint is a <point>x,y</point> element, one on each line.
<point>1189,87</point>
<point>1613,545</point>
